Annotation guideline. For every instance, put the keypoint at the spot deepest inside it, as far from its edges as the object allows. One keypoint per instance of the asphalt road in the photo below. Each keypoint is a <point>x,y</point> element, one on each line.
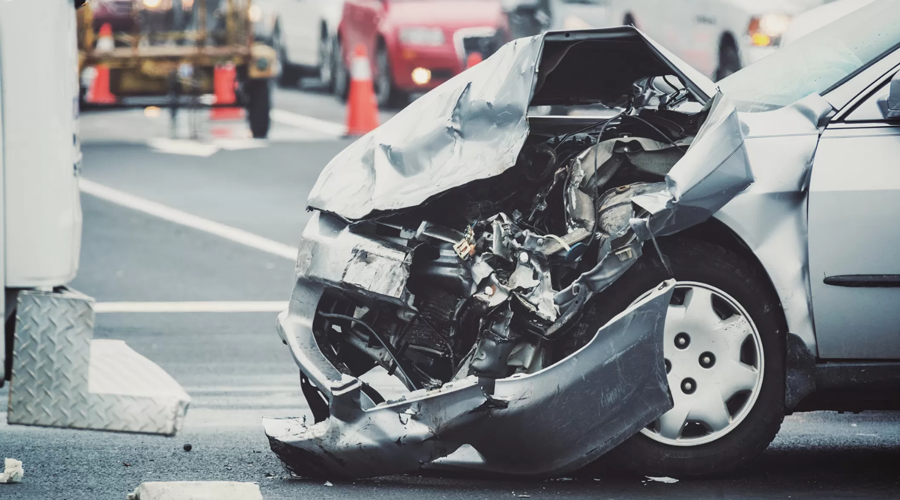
<point>237,370</point>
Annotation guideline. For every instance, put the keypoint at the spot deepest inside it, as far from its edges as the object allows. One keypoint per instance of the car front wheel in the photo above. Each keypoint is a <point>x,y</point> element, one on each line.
<point>340,76</point>
<point>724,355</point>
<point>386,93</point>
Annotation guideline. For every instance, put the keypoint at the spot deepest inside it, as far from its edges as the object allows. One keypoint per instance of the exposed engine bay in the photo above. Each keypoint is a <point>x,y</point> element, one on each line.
<point>502,267</point>
<point>475,298</point>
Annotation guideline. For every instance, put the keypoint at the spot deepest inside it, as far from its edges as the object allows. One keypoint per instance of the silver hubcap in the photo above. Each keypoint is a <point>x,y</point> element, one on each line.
<point>714,360</point>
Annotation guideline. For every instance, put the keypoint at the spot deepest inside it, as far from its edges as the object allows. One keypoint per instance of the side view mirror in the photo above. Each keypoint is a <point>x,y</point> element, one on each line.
<point>890,107</point>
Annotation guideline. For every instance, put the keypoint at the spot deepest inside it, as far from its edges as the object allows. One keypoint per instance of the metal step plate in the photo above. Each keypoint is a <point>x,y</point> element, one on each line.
<point>63,378</point>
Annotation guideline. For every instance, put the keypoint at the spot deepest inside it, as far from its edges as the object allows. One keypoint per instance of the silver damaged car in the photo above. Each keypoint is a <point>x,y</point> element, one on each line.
<point>662,272</point>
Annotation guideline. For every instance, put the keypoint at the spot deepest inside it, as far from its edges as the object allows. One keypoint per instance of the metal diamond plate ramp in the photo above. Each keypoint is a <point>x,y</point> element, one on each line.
<point>61,377</point>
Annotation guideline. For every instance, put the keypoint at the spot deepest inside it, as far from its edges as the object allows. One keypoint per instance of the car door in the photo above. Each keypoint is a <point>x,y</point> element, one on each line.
<point>854,235</point>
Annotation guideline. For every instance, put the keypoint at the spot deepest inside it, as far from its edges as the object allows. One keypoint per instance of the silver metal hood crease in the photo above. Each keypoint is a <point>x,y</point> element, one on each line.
<point>471,127</point>
<point>362,282</point>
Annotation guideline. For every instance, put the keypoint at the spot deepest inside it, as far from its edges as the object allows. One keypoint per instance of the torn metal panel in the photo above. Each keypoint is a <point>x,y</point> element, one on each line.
<point>466,294</point>
<point>714,170</point>
<point>592,400</point>
<point>388,439</point>
<point>471,127</point>
<point>474,126</point>
<point>587,403</point>
<point>330,253</point>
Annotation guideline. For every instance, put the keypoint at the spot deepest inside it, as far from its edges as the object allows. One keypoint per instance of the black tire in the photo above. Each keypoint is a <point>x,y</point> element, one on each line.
<point>729,60</point>
<point>386,93</point>
<point>699,261</point>
<point>326,68</point>
<point>340,86</point>
<point>259,102</point>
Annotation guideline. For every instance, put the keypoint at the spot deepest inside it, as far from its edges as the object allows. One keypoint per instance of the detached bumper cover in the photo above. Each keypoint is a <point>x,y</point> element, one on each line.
<point>571,412</point>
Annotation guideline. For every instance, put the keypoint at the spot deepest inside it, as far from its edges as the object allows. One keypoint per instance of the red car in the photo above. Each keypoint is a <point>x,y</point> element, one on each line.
<point>415,45</point>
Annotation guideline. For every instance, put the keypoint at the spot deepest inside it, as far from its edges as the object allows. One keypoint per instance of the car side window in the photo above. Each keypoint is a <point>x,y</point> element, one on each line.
<point>868,110</point>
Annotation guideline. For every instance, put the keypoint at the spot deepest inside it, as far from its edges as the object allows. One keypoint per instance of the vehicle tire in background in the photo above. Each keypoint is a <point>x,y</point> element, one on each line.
<point>738,361</point>
<point>340,85</point>
<point>386,93</point>
<point>729,60</point>
<point>288,74</point>
<point>326,68</point>
<point>259,103</point>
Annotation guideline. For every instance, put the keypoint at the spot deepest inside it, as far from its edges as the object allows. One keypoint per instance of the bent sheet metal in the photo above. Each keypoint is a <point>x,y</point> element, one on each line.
<point>468,302</point>
<point>586,404</point>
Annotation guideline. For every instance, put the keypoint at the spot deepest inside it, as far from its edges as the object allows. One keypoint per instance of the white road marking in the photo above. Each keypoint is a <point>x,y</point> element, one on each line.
<point>307,122</point>
<point>185,219</point>
<point>183,147</point>
<point>191,307</point>
<point>204,149</point>
<point>243,388</point>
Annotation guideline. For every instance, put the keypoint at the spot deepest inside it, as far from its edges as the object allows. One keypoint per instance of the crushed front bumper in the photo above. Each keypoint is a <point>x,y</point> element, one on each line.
<point>548,422</point>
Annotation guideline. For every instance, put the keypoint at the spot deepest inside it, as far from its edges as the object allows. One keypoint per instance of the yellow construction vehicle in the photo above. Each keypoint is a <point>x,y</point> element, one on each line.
<point>175,53</point>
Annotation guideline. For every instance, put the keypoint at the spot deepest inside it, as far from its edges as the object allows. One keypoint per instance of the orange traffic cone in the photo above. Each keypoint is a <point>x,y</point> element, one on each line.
<point>223,84</point>
<point>473,59</point>
<point>99,93</point>
<point>362,108</point>
<point>105,41</point>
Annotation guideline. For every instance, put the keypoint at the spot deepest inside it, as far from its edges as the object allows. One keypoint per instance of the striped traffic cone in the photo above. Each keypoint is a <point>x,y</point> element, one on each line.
<point>362,107</point>
<point>99,93</point>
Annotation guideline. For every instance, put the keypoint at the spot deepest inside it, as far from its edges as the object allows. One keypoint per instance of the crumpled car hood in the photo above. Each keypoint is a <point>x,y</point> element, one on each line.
<point>474,126</point>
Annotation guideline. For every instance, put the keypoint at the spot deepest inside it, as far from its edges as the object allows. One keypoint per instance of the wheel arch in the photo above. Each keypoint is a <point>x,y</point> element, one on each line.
<point>718,233</point>
<point>799,366</point>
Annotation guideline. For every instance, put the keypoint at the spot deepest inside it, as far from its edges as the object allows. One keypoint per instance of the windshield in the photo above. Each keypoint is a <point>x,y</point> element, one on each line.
<point>818,61</point>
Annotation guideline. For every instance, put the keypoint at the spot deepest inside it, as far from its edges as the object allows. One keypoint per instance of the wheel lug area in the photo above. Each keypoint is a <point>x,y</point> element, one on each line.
<point>707,359</point>
<point>682,340</point>
<point>688,386</point>
<point>668,366</point>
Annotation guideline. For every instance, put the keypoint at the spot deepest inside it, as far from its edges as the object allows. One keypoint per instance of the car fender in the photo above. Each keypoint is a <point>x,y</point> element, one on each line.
<point>770,216</point>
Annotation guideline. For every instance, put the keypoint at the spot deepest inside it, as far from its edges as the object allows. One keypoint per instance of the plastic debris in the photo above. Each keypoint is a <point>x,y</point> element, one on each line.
<point>328,483</point>
<point>196,490</point>
<point>188,447</point>
<point>667,480</point>
<point>13,471</point>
